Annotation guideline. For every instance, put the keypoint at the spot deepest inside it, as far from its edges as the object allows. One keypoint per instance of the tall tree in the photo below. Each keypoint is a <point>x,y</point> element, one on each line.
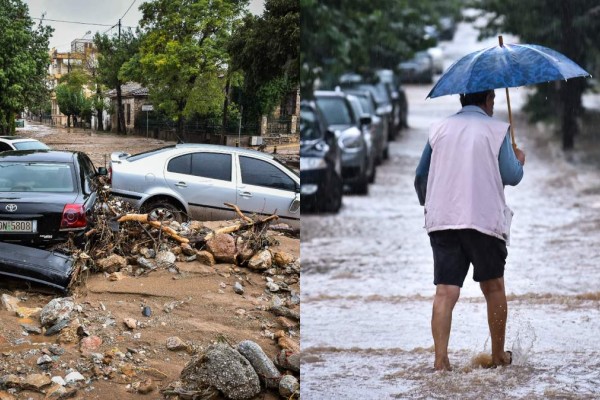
<point>355,35</point>
<point>570,27</point>
<point>267,50</point>
<point>114,52</point>
<point>184,45</point>
<point>70,95</point>
<point>24,61</point>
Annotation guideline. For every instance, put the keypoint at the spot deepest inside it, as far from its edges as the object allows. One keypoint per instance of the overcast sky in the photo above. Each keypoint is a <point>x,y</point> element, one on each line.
<point>105,13</point>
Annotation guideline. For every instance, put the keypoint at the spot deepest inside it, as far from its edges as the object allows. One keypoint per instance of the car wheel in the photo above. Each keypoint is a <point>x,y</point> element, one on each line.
<point>386,152</point>
<point>372,174</point>
<point>164,210</point>
<point>362,186</point>
<point>333,200</point>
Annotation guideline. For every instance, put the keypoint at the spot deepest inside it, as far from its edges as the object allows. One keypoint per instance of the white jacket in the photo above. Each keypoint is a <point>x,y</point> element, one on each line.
<point>464,188</point>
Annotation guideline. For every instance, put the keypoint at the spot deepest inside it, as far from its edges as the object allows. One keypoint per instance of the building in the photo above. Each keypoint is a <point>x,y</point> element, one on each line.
<point>133,97</point>
<point>61,63</point>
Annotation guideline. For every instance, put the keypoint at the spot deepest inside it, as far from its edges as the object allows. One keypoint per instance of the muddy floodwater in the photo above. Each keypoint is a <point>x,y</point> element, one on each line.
<point>367,279</point>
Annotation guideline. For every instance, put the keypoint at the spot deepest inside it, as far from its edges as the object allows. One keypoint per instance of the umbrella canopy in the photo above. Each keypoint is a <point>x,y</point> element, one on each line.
<point>504,66</point>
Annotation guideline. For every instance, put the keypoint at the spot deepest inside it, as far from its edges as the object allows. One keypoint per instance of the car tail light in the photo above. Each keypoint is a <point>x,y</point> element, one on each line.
<point>109,176</point>
<point>73,217</point>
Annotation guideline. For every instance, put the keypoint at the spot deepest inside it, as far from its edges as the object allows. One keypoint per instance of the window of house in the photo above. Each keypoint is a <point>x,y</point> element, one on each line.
<point>128,114</point>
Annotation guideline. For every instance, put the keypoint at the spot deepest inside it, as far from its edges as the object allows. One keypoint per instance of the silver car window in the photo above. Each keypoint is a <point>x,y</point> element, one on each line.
<point>212,165</point>
<point>203,164</point>
<point>181,164</point>
<point>261,173</point>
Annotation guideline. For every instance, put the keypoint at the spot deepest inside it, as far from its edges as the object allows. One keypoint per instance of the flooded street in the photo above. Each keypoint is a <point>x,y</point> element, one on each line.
<point>367,277</point>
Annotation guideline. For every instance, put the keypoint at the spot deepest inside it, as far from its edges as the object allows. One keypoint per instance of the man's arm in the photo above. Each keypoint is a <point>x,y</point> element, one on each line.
<point>422,173</point>
<point>511,163</point>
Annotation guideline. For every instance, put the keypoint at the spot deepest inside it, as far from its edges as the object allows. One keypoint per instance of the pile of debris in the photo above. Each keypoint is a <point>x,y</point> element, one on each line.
<point>125,244</point>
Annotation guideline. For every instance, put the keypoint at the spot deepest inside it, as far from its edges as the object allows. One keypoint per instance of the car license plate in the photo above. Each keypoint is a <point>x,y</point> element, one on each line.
<point>17,226</point>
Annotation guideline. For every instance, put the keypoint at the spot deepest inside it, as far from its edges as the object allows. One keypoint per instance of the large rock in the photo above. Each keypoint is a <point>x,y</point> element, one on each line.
<point>261,260</point>
<point>288,386</point>
<point>288,360</point>
<point>205,257</point>
<point>223,368</point>
<point>281,258</point>
<point>262,364</point>
<point>57,311</point>
<point>9,302</point>
<point>35,382</point>
<point>165,259</point>
<point>222,247</point>
<point>112,263</point>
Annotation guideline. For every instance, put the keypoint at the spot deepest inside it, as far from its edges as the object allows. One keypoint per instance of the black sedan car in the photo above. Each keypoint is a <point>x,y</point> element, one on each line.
<point>321,184</point>
<point>45,196</point>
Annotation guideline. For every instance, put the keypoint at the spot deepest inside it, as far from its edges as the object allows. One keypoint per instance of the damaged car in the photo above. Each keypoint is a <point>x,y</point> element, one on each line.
<point>46,197</point>
<point>196,180</point>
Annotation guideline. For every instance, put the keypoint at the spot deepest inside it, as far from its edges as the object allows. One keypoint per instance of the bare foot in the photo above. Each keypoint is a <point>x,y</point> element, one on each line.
<point>442,365</point>
<point>505,359</point>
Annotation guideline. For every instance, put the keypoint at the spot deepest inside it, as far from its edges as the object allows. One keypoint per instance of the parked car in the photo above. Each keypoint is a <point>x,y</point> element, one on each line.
<point>45,196</point>
<point>365,122</point>
<point>20,143</point>
<point>398,96</point>
<point>437,58</point>
<point>384,107</point>
<point>342,119</point>
<point>378,128</point>
<point>195,180</point>
<point>418,69</point>
<point>320,162</point>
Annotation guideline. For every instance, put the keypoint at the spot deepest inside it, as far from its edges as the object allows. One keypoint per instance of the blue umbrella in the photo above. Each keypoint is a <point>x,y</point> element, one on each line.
<point>504,66</point>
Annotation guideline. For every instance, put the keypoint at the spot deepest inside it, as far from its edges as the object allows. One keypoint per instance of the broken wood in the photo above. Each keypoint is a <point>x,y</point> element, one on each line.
<point>143,218</point>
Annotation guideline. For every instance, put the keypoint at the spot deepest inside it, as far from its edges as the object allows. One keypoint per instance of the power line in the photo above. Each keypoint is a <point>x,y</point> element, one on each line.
<point>132,3</point>
<point>78,22</point>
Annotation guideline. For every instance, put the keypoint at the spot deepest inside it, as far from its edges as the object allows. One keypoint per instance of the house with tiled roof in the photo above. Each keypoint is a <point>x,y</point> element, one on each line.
<point>133,96</point>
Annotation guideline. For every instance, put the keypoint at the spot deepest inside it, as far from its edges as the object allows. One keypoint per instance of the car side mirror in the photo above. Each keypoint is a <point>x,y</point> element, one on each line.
<point>366,120</point>
<point>102,171</point>
<point>295,206</point>
<point>330,136</point>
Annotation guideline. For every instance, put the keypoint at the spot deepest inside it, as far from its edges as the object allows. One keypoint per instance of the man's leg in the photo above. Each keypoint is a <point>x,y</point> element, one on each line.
<point>446,297</point>
<point>497,310</point>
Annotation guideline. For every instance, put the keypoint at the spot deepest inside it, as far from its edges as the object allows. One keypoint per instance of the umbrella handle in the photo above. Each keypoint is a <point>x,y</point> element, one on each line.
<point>512,132</point>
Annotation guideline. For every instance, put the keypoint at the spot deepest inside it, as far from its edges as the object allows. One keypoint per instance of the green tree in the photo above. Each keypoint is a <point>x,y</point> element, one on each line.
<point>114,52</point>
<point>183,48</point>
<point>570,27</point>
<point>267,50</point>
<point>70,96</point>
<point>24,62</point>
<point>355,35</point>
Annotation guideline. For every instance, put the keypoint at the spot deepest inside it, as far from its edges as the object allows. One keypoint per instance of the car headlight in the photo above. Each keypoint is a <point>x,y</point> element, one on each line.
<point>309,163</point>
<point>351,140</point>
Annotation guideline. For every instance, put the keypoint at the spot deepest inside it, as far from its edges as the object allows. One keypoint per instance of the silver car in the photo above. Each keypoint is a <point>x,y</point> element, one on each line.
<point>196,180</point>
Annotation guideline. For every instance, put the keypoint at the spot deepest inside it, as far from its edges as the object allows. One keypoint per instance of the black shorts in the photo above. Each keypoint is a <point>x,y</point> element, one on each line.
<point>455,250</point>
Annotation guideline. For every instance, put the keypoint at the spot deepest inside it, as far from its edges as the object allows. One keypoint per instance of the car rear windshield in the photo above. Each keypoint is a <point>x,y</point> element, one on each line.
<point>145,154</point>
<point>36,177</point>
<point>335,110</point>
<point>30,145</point>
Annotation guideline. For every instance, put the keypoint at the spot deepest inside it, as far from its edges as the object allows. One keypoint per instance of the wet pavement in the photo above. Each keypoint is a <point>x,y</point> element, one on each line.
<point>367,279</point>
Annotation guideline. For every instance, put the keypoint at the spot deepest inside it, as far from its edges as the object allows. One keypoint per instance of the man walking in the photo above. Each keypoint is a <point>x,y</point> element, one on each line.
<point>460,180</point>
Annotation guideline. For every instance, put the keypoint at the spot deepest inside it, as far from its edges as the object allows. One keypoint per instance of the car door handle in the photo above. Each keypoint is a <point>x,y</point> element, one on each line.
<point>245,194</point>
<point>181,184</point>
